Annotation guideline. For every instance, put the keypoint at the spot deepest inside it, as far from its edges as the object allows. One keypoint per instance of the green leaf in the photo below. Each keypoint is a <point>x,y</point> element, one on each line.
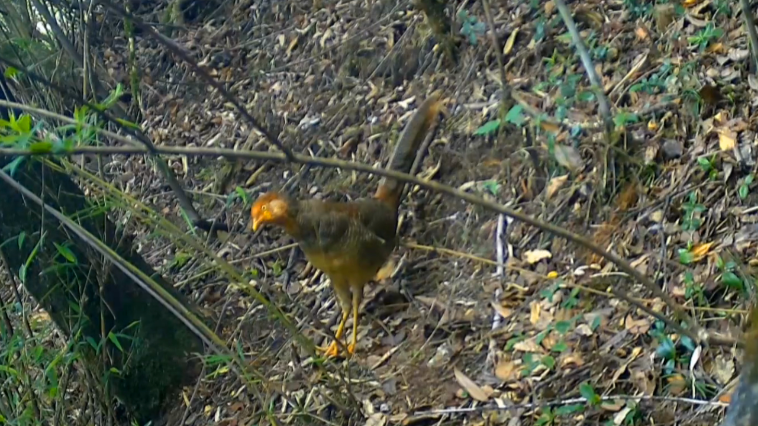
<point>42,147</point>
<point>586,96</point>
<point>491,186</point>
<point>562,327</point>
<point>13,165</point>
<point>10,72</point>
<point>65,252</point>
<point>516,115</point>
<point>743,191</point>
<point>704,163</point>
<point>685,257</point>
<point>112,337</point>
<point>128,124</point>
<point>25,123</point>
<point>487,128</point>
<point>21,238</point>
<point>731,279</point>
<point>588,392</point>
<point>548,361</point>
<point>666,348</point>
<point>560,347</point>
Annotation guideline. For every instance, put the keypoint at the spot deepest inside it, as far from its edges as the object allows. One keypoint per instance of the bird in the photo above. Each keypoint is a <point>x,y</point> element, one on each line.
<point>349,241</point>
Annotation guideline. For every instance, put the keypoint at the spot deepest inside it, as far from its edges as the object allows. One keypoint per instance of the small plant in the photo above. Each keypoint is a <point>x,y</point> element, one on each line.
<point>708,165</point>
<point>744,188</point>
<point>638,9</point>
<point>728,276</point>
<point>693,290</point>
<point>471,28</point>
<point>705,36</point>
<point>692,210</point>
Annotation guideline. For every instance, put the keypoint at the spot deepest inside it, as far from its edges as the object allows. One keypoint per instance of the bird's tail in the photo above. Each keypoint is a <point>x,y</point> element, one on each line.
<point>406,149</point>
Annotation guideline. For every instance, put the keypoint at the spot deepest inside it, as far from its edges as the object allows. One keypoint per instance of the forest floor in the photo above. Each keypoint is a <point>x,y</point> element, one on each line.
<point>447,339</point>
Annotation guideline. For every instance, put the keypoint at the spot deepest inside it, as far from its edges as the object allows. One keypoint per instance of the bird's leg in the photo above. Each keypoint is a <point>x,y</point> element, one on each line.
<point>357,297</point>
<point>342,290</point>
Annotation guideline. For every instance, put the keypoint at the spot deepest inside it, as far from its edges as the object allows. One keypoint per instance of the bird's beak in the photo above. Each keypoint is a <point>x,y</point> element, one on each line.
<point>256,224</point>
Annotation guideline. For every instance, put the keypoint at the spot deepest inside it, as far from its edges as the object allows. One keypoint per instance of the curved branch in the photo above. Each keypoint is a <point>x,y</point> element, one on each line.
<point>695,332</point>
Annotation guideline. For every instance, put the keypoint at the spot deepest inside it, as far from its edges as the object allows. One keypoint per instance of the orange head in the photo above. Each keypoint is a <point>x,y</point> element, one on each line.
<point>272,208</point>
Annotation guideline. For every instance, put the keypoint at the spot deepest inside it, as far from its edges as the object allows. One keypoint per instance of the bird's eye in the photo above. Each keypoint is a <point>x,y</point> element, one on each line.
<point>264,208</point>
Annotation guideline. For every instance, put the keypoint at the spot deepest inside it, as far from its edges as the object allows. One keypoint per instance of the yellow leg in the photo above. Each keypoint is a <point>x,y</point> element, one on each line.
<point>342,290</point>
<point>357,296</point>
<point>333,349</point>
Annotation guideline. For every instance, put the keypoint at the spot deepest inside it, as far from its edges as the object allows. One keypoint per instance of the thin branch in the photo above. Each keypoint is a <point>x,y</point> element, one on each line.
<point>694,332</point>
<point>562,402</point>
<point>589,67</point>
<point>180,52</point>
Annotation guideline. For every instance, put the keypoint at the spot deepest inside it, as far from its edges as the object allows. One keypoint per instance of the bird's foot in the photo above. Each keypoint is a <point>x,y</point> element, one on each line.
<point>333,350</point>
<point>330,351</point>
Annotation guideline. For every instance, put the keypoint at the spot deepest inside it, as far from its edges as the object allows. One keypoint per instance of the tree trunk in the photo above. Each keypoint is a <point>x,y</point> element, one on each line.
<point>143,353</point>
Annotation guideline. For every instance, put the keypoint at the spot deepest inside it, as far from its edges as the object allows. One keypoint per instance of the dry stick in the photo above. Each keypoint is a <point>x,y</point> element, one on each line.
<point>149,285</point>
<point>182,197</point>
<point>603,103</point>
<point>747,14</point>
<point>556,403</point>
<point>695,333</point>
<point>179,51</point>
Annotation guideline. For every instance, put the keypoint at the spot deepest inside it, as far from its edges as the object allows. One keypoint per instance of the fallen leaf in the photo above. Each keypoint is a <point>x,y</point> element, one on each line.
<point>509,43</point>
<point>471,388</point>
<point>501,310</point>
<point>641,33</point>
<point>568,157</point>
<point>637,327</point>
<point>723,369</point>
<point>376,419</point>
<point>699,251</point>
<point>533,256</point>
<point>554,185</point>
<point>507,371</point>
<point>727,139</point>
<point>528,346</point>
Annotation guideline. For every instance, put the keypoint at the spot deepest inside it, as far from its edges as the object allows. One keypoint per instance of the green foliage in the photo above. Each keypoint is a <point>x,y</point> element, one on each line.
<point>692,209</point>
<point>588,393</point>
<point>744,188</point>
<point>708,165</point>
<point>471,27</point>
<point>706,36</point>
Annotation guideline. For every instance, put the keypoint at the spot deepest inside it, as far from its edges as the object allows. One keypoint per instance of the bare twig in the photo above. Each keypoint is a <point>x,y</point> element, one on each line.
<point>561,402</point>
<point>589,67</point>
<point>694,332</point>
<point>179,51</point>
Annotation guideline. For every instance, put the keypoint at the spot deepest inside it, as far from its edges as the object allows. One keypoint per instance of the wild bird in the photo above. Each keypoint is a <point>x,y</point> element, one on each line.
<point>349,241</point>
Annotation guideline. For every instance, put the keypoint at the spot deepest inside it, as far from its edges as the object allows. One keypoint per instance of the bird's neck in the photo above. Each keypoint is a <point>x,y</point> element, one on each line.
<point>290,222</point>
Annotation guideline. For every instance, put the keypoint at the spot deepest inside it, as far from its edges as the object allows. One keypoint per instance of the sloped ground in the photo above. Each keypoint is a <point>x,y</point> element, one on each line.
<point>673,196</point>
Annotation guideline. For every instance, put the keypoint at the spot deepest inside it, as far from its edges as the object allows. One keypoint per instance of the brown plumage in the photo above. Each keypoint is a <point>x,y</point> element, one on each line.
<point>349,241</point>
